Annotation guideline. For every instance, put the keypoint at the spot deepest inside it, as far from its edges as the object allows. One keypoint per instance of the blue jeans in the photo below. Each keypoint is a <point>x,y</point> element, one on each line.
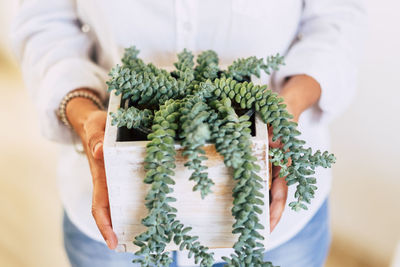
<point>308,248</point>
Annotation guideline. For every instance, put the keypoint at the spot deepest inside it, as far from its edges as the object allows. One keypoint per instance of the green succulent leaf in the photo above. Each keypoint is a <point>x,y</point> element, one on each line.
<point>196,105</point>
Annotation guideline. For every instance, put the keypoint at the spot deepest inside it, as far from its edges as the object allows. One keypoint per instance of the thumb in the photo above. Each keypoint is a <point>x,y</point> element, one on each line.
<point>95,143</point>
<point>279,190</point>
<point>95,135</point>
<point>97,151</point>
<point>271,143</point>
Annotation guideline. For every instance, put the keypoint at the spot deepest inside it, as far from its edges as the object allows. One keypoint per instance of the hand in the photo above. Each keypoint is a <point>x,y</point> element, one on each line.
<point>299,93</point>
<point>89,122</point>
<point>279,188</point>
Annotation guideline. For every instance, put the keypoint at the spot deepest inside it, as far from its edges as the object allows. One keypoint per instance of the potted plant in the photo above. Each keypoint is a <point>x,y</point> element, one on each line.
<point>199,117</point>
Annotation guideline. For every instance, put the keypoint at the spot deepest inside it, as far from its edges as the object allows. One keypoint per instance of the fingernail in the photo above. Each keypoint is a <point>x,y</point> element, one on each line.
<point>96,147</point>
<point>108,243</point>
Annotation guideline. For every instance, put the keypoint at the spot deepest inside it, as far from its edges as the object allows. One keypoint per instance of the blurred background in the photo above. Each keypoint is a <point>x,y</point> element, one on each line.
<point>365,205</point>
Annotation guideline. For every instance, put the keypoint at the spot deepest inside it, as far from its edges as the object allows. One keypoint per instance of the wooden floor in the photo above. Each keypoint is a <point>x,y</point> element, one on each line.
<point>30,211</point>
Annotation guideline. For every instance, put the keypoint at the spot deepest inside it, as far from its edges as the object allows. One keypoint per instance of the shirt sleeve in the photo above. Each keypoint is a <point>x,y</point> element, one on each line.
<point>55,57</point>
<point>327,48</point>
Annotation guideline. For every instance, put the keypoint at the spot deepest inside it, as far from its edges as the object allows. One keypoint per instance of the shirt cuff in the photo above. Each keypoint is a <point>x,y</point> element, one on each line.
<point>60,79</point>
<point>336,81</point>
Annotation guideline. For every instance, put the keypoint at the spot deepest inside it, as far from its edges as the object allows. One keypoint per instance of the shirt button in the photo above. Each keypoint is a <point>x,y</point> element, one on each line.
<point>85,28</point>
<point>187,26</point>
<point>299,36</point>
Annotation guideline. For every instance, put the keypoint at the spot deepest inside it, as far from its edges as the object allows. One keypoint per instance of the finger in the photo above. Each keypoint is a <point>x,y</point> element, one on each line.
<point>275,171</point>
<point>95,138</point>
<point>94,131</point>
<point>279,191</point>
<point>100,205</point>
<point>271,143</point>
<point>103,222</point>
<point>97,151</point>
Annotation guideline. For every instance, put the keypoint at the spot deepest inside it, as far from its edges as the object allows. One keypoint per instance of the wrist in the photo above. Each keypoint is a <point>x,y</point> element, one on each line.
<point>292,103</point>
<point>299,93</point>
<point>78,110</point>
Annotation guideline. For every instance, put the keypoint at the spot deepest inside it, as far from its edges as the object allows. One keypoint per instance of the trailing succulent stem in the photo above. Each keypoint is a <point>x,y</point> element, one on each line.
<point>159,165</point>
<point>232,137</point>
<point>207,66</point>
<point>243,68</point>
<point>162,227</point>
<point>196,105</point>
<point>273,113</point>
<point>194,135</point>
<point>133,118</point>
<point>184,68</point>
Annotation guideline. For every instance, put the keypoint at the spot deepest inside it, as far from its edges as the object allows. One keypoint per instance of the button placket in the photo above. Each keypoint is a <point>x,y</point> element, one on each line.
<point>186,15</point>
<point>187,26</point>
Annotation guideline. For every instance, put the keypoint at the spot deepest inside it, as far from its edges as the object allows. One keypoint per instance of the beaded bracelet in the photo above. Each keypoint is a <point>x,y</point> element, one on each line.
<point>61,111</point>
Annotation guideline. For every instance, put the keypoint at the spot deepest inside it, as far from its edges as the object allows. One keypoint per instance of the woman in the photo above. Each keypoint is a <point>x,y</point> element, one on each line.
<point>69,46</point>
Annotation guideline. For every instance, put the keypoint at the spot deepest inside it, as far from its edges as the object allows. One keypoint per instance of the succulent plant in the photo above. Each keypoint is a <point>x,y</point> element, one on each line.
<point>198,104</point>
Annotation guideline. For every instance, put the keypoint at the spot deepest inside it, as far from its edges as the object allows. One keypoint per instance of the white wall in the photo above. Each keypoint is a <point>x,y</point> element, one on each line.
<point>7,11</point>
<point>366,140</point>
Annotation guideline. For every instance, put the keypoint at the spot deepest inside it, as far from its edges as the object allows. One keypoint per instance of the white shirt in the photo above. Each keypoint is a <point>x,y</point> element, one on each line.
<point>320,38</point>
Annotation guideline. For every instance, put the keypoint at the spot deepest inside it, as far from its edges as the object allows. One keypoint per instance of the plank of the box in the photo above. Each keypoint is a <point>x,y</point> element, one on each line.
<point>210,218</point>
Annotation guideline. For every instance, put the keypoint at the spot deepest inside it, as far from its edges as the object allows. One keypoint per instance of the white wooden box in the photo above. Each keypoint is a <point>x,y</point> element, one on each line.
<point>210,218</point>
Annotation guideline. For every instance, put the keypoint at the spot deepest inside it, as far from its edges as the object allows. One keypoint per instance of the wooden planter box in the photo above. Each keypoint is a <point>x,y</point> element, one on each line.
<point>210,218</point>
